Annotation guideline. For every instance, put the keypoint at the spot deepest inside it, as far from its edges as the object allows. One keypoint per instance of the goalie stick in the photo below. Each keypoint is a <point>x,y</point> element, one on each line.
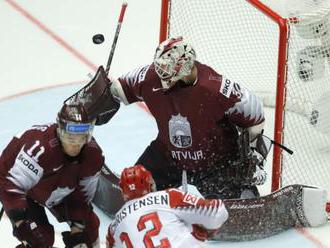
<point>108,195</point>
<point>1,212</point>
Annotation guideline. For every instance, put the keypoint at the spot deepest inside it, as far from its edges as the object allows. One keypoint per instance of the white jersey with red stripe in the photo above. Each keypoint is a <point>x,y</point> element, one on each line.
<point>164,219</point>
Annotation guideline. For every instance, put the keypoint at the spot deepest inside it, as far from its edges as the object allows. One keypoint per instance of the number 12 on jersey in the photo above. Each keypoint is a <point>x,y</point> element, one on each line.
<point>147,239</point>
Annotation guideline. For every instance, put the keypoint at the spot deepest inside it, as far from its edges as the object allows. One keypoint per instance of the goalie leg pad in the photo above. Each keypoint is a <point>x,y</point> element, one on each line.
<point>314,204</point>
<point>291,206</point>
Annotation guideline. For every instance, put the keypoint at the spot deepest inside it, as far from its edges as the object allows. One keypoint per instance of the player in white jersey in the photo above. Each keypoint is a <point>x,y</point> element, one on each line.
<point>168,218</point>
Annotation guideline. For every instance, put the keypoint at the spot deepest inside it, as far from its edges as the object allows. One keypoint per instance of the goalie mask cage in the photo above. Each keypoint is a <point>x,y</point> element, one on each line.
<point>279,49</point>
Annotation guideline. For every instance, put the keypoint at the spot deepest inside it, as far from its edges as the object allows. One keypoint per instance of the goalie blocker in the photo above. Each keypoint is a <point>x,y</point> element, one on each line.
<point>249,219</point>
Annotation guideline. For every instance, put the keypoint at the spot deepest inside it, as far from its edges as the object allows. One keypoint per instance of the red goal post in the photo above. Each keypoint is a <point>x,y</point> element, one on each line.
<point>280,50</point>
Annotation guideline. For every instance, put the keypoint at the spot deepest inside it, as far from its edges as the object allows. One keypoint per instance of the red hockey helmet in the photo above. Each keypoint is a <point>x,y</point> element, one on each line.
<point>135,182</point>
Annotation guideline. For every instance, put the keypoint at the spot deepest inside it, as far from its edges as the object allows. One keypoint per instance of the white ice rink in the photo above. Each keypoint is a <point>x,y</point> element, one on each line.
<point>46,52</point>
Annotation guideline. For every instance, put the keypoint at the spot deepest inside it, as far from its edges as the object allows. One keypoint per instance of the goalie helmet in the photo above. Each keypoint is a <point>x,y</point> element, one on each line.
<point>74,127</point>
<point>136,181</point>
<point>173,60</point>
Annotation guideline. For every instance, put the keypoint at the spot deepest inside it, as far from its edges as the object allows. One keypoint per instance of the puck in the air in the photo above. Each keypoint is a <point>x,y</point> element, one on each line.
<point>98,39</point>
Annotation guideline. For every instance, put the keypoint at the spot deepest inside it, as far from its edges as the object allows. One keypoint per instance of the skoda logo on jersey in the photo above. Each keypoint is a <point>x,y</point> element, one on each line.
<point>180,131</point>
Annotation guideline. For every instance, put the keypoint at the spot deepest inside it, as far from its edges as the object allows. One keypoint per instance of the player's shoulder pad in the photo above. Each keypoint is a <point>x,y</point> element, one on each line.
<point>34,130</point>
<point>137,75</point>
<point>228,87</point>
<point>37,139</point>
<point>178,198</point>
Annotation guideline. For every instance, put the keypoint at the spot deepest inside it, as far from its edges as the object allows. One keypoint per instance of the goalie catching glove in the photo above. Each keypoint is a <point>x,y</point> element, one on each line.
<point>97,99</point>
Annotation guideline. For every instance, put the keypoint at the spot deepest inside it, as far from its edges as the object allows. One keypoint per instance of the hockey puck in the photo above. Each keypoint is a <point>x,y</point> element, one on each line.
<point>98,39</point>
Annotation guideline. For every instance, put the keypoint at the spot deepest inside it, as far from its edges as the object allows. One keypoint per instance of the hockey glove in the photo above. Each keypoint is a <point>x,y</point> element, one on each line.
<point>28,232</point>
<point>202,234</point>
<point>259,151</point>
<point>75,240</point>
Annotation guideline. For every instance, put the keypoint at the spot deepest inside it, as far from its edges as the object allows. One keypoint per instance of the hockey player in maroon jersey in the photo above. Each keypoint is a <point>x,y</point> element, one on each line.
<point>54,166</point>
<point>167,218</point>
<point>207,124</point>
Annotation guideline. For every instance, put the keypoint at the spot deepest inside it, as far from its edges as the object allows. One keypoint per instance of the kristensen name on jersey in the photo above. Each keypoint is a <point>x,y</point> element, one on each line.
<point>151,199</point>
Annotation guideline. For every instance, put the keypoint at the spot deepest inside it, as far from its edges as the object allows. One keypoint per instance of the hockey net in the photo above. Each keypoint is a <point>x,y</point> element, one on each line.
<point>279,49</point>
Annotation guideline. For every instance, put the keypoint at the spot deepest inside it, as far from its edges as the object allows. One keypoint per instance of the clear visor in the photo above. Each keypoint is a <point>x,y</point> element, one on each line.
<point>75,139</point>
<point>76,133</point>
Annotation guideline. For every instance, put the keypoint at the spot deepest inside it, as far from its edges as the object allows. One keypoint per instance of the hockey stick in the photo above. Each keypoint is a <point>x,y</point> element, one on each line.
<point>288,150</point>
<point>114,43</point>
<point>184,181</point>
<point>112,51</point>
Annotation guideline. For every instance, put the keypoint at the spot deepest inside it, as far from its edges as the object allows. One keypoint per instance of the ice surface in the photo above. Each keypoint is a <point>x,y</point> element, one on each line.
<point>32,58</point>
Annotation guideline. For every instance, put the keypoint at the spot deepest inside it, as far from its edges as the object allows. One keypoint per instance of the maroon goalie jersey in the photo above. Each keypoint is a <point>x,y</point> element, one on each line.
<point>196,123</point>
<point>34,165</point>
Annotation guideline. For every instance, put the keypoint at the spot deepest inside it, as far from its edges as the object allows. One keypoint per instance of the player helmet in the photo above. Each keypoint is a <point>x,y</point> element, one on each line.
<point>173,60</point>
<point>135,182</point>
<point>74,126</point>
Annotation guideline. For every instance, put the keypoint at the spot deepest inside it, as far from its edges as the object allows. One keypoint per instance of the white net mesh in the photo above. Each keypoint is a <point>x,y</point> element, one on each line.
<point>307,116</point>
<point>227,38</point>
<point>242,43</point>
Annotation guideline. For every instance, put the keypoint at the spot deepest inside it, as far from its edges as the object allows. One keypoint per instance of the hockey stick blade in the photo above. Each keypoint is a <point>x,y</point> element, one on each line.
<point>108,195</point>
<point>1,212</point>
